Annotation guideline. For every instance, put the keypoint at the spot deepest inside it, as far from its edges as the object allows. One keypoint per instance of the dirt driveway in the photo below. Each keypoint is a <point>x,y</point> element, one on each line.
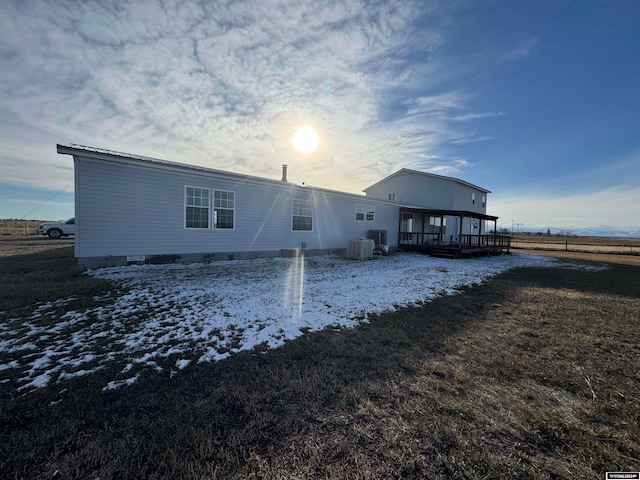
<point>10,246</point>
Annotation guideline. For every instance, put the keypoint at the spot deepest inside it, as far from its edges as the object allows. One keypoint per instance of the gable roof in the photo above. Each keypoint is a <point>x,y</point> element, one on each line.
<point>128,158</point>
<point>148,162</point>
<point>405,171</point>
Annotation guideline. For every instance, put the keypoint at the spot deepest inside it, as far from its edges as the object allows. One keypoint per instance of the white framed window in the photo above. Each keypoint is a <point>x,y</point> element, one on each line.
<point>392,197</point>
<point>437,225</point>
<point>196,207</point>
<point>473,198</point>
<point>302,215</point>
<point>224,209</point>
<point>484,201</point>
<point>365,212</point>
<point>371,213</point>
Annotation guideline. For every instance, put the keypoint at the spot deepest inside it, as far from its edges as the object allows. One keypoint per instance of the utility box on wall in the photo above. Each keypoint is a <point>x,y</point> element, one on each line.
<point>379,237</point>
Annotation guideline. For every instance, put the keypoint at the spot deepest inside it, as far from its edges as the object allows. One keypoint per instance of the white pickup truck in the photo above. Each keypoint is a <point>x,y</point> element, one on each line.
<point>58,229</point>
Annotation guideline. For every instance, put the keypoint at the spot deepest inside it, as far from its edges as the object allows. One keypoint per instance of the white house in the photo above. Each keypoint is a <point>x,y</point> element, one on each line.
<point>436,210</point>
<point>131,208</point>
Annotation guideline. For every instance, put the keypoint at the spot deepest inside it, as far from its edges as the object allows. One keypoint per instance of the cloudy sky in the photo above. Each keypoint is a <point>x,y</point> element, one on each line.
<point>535,100</point>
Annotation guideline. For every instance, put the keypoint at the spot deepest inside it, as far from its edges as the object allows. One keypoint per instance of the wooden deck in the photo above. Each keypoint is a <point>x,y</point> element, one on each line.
<point>469,246</point>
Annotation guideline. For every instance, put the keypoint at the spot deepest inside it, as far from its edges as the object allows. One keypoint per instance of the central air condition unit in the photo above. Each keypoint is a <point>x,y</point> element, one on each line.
<point>360,249</point>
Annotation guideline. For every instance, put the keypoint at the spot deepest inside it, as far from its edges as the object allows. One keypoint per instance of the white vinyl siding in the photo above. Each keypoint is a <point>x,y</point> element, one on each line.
<point>224,209</point>
<point>302,215</point>
<point>125,209</point>
<point>196,203</point>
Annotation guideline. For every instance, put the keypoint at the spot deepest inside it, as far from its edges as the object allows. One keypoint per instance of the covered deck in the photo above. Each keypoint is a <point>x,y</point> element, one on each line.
<point>426,231</point>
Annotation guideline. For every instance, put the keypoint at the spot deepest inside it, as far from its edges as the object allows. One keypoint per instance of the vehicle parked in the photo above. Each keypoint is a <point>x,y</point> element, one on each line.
<point>58,229</point>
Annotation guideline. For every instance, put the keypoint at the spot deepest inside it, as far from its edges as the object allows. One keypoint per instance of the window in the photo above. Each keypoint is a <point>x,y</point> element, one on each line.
<point>406,228</point>
<point>371,211</point>
<point>392,197</point>
<point>437,225</point>
<point>473,198</point>
<point>302,215</point>
<point>223,209</point>
<point>196,203</point>
<point>484,201</point>
<point>365,212</point>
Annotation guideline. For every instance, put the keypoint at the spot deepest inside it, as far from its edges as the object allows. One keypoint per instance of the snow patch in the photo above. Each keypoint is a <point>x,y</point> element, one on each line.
<point>207,312</point>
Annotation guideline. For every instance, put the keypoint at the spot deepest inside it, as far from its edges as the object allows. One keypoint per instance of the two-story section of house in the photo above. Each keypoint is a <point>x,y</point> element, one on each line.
<point>437,211</point>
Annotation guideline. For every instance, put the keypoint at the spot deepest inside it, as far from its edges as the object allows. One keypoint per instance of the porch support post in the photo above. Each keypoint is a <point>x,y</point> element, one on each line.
<point>460,239</point>
<point>495,227</point>
<point>400,226</point>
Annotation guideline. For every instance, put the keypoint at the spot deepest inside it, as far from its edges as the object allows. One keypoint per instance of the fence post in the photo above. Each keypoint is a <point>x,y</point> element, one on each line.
<point>566,245</point>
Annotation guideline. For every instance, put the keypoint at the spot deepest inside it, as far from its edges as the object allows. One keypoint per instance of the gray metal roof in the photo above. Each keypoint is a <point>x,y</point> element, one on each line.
<point>427,174</point>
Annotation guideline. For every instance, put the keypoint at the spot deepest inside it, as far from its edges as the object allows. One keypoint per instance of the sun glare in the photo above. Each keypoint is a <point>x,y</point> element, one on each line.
<point>305,140</point>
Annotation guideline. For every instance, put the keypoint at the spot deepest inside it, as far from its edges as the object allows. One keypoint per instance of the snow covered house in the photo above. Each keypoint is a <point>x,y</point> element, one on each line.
<point>138,209</point>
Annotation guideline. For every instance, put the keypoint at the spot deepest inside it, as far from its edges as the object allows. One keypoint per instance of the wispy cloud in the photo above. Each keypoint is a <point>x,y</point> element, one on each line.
<point>476,116</point>
<point>225,85</point>
<point>471,139</point>
<point>522,50</point>
<point>222,85</point>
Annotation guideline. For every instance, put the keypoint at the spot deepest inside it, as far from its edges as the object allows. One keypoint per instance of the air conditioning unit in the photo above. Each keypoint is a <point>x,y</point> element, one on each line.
<point>361,249</point>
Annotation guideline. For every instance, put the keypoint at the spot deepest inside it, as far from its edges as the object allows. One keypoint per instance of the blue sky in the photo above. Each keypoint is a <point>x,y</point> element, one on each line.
<point>536,100</point>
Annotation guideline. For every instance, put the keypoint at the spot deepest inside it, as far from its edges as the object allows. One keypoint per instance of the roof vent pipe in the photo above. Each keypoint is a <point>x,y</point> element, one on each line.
<point>284,173</point>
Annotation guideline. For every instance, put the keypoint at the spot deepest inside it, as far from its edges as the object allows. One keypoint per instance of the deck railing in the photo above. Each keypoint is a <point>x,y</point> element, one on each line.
<point>488,240</point>
<point>413,238</point>
<point>467,241</point>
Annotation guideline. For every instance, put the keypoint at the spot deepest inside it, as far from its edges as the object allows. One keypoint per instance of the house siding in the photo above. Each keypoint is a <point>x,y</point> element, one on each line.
<point>416,190</point>
<point>425,191</point>
<point>463,200</point>
<point>132,208</point>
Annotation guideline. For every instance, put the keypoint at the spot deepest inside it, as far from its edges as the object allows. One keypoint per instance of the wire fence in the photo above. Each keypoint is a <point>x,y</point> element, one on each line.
<point>579,245</point>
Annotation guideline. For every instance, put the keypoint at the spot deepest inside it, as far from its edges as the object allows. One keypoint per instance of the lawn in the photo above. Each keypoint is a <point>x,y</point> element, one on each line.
<point>531,374</point>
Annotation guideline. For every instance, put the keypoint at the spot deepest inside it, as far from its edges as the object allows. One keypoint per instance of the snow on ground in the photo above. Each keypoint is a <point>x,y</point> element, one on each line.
<point>210,311</point>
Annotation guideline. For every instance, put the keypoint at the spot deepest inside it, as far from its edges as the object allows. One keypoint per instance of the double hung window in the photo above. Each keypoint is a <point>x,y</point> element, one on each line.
<point>302,215</point>
<point>196,207</point>
<point>365,212</point>
<point>197,204</point>
<point>223,209</point>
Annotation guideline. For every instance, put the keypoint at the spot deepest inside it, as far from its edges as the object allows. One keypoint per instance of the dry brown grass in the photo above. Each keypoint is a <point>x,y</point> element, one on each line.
<point>633,260</point>
<point>531,375</point>
<point>19,228</point>
<point>600,245</point>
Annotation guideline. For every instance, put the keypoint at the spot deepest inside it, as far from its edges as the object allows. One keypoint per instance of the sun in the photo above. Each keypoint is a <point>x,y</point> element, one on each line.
<point>305,140</point>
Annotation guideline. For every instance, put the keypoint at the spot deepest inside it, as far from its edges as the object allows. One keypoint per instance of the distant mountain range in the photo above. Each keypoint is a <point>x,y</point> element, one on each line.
<point>607,232</point>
